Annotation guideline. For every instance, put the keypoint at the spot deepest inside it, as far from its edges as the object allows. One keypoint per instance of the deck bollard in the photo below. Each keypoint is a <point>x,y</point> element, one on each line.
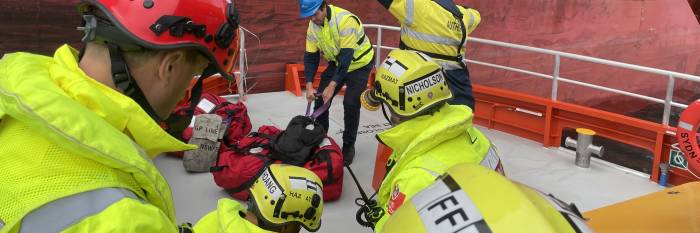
<point>584,147</point>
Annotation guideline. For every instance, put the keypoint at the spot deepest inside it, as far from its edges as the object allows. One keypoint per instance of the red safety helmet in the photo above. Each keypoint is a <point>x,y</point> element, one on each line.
<point>209,26</point>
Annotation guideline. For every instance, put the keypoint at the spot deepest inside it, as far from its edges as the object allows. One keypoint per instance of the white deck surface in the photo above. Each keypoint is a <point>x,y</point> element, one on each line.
<point>549,169</point>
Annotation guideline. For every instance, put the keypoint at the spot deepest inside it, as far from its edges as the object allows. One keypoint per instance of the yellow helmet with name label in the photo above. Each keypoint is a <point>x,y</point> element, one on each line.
<point>409,82</point>
<point>471,198</point>
<point>285,194</point>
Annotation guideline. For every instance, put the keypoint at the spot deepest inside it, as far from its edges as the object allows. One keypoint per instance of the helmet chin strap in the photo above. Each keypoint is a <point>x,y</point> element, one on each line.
<point>125,83</point>
<point>197,89</point>
<point>385,115</point>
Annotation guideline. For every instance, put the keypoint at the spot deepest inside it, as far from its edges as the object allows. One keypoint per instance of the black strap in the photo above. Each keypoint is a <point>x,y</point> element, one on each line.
<point>125,83</point>
<point>197,88</point>
<point>177,26</point>
<point>464,40</point>
<point>361,41</point>
<point>369,213</point>
<point>363,54</point>
<point>458,58</point>
<point>450,6</point>
<point>215,169</point>
<point>81,53</point>
<point>389,165</point>
<point>325,155</point>
<point>222,105</point>
<point>176,123</point>
<point>386,116</point>
<point>362,38</point>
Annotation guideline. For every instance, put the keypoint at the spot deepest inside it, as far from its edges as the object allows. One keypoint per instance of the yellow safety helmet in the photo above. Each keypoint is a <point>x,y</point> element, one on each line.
<point>284,194</point>
<point>409,82</point>
<point>476,199</point>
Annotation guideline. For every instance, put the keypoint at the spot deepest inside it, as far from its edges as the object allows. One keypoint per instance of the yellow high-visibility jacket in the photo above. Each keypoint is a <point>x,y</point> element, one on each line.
<point>423,149</point>
<point>341,29</point>
<point>75,154</point>
<point>428,27</point>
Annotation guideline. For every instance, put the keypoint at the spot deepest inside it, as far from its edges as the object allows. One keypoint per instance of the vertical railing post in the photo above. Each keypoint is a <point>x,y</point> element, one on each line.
<point>669,99</point>
<point>555,76</point>
<point>241,64</point>
<point>377,60</point>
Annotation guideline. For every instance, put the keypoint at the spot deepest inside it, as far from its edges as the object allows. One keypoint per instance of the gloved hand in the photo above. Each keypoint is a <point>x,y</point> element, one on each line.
<point>310,91</point>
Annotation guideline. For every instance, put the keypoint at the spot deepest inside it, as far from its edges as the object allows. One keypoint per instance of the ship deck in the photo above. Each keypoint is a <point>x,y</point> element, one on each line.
<point>550,170</point>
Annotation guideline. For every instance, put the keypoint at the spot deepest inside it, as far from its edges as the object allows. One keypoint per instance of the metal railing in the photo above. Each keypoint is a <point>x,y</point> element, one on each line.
<point>556,77</point>
<point>242,69</point>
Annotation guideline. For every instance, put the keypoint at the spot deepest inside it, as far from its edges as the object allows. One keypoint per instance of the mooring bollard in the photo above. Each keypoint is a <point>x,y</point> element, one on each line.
<point>584,147</point>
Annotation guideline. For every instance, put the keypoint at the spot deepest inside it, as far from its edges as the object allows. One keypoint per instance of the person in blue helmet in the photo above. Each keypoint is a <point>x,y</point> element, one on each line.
<point>338,36</point>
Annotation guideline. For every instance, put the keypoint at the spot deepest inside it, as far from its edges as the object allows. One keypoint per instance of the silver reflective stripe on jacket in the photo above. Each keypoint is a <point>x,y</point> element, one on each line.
<point>335,20</point>
<point>471,22</point>
<point>65,212</point>
<point>348,31</point>
<point>311,38</point>
<point>428,37</point>
<point>409,12</point>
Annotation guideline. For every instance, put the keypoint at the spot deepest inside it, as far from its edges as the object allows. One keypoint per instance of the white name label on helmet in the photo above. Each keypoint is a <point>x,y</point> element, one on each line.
<point>303,184</point>
<point>394,66</point>
<point>420,85</point>
<point>444,210</point>
<point>273,188</point>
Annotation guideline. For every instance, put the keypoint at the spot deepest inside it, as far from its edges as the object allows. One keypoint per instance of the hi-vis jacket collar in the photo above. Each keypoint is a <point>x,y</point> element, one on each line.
<point>421,134</point>
<point>65,83</point>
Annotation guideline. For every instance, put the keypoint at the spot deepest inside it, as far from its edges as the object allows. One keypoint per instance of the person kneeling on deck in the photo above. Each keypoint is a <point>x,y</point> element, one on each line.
<point>79,130</point>
<point>470,198</point>
<point>283,199</point>
<point>428,135</point>
<point>339,35</point>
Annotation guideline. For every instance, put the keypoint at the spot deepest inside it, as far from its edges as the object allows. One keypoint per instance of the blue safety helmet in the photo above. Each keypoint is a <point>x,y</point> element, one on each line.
<point>308,7</point>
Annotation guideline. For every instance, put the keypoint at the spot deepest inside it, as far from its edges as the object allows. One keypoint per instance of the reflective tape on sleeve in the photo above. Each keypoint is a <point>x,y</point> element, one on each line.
<point>65,212</point>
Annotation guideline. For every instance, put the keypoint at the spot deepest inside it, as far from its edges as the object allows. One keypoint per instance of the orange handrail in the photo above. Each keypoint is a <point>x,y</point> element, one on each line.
<point>543,120</point>
<point>552,117</point>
